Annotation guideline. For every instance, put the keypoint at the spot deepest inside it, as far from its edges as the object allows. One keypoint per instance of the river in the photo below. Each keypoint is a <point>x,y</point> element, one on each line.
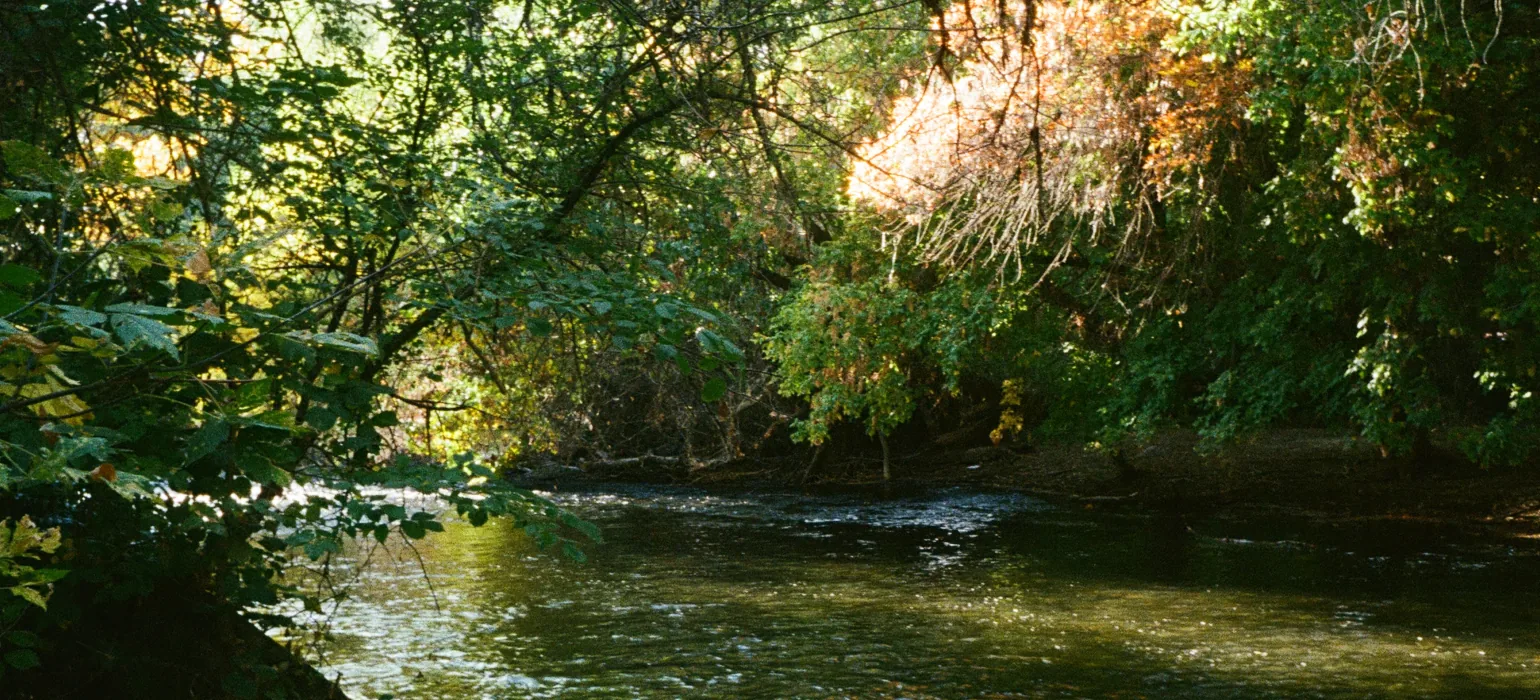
<point>953,595</point>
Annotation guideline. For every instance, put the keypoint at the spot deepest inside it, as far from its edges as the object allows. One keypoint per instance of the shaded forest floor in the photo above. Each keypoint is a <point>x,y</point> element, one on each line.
<point>1318,472</point>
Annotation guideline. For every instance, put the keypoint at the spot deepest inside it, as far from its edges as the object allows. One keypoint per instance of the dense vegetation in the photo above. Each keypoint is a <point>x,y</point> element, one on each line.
<point>261,258</point>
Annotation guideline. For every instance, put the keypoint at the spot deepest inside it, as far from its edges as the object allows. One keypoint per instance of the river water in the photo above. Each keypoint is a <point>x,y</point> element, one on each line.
<point>702,594</point>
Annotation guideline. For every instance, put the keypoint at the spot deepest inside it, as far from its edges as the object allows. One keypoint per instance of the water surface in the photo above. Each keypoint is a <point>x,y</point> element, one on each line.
<point>957,595</point>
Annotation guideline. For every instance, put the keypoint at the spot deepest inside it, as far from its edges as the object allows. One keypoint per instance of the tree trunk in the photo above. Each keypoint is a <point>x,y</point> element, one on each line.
<point>887,474</point>
<point>813,463</point>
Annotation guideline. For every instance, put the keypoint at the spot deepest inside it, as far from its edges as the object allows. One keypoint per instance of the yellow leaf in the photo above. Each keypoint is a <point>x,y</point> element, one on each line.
<point>67,407</point>
<point>28,341</point>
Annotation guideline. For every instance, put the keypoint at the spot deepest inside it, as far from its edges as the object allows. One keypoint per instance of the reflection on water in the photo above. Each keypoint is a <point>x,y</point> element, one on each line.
<point>953,596</point>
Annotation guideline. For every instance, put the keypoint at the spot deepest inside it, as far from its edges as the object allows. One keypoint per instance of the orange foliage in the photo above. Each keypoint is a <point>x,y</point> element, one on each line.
<point>1050,108</point>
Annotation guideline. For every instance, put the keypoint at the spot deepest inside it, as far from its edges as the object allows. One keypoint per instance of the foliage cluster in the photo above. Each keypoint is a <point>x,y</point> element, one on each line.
<point>236,235</point>
<point>1237,214</point>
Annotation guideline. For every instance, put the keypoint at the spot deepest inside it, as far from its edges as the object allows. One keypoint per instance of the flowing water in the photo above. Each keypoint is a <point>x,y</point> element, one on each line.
<point>955,595</point>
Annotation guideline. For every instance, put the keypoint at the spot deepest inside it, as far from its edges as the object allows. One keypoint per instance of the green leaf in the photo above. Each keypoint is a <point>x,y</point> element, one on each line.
<point>81,317</point>
<point>414,529</point>
<point>22,659</point>
<point>26,196</point>
<point>18,276</point>
<point>213,433</point>
<point>73,448</point>
<point>136,330</point>
<point>266,473</point>
<point>30,595</point>
<point>670,353</point>
<point>319,548</point>
<point>49,575</point>
<point>539,327</point>
<point>321,418</point>
<point>142,310</point>
<point>715,344</point>
<point>350,342</point>
<point>164,211</point>
<point>22,638</point>
<point>714,390</point>
<point>33,163</point>
<point>117,165</point>
<point>589,530</point>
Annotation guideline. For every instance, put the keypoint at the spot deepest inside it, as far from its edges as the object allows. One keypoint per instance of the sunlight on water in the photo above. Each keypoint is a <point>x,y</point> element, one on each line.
<point>956,596</point>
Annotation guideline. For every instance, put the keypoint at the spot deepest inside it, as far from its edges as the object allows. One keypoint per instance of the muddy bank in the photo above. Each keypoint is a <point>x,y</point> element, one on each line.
<point>1315,471</point>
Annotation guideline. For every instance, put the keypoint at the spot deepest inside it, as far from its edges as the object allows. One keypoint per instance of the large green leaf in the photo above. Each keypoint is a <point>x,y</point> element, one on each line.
<point>80,316</point>
<point>714,390</point>
<point>349,342</point>
<point>142,310</point>
<point>22,659</point>
<point>33,163</point>
<point>17,276</point>
<point>137,330</point>
<point>209,436</point>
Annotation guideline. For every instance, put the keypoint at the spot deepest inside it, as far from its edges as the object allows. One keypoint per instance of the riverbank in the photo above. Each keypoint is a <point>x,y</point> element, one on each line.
<point>1318,472</point>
